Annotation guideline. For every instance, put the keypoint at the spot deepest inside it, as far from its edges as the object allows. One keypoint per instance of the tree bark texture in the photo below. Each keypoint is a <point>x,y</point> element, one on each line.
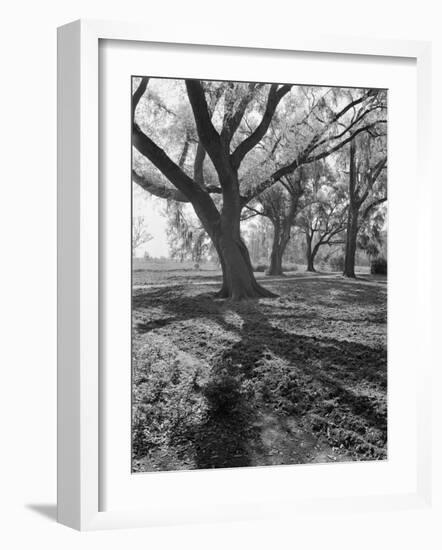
<point>310,253</point>
<point>281,237</point>
<point>239,281</point>
<point>350,243</point>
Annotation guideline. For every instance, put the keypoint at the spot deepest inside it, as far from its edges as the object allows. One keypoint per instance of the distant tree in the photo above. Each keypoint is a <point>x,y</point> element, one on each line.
<point>308,124</point>
<point>322,219</point>
<point>280,205</point>
<point>258,235</point>
<point>140,234</point>
<point>366,189</point>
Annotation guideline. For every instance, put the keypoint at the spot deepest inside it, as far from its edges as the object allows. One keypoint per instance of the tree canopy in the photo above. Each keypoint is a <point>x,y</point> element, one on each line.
<point>229,148</point>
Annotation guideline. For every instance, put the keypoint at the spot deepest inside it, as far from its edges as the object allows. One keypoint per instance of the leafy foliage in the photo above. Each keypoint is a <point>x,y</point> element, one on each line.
<point>378,266</point>
<point>188,240</point>
<point>337,262</point>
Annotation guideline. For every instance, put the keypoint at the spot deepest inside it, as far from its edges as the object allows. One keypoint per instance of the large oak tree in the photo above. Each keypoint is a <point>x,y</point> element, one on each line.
<point>218,204</point>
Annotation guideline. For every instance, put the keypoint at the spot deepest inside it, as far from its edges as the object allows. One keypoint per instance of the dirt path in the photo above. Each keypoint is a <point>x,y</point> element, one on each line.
<point>283,441</point>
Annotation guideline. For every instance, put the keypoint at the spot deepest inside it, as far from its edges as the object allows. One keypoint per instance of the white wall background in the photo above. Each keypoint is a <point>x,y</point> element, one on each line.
<point>28,268</point>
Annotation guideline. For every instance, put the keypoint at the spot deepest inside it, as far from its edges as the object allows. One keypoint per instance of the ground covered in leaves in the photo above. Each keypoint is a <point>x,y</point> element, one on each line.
<point>296,379</point>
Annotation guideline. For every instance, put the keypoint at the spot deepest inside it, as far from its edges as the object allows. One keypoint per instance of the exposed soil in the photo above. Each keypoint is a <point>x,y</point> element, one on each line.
<point>297,379</point>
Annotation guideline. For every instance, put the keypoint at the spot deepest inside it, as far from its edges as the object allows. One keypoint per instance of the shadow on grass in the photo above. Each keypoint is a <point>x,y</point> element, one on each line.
<point>142,328</point>
<point>221,439</point>
<point>332,386</point>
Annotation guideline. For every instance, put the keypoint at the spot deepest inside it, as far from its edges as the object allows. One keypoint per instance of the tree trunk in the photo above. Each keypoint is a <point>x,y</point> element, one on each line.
<point>309,254</point>
<point>278,247</point>
<point>275,267</point>
<point>239,281</point>
<point>352,219</point>
<point>281,232</point>
<point>350,244</point>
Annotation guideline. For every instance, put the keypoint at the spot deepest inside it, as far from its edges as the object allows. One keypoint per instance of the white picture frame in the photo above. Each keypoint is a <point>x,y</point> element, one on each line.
<point>79,274</point>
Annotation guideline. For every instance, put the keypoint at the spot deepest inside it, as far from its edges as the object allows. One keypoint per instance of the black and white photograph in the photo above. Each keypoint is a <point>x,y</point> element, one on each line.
<point>259,274</point>
<point>221,284</point>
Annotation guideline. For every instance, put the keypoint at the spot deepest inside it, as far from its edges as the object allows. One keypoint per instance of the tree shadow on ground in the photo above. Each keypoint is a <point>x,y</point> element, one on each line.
<point>336,292</point>
<point>308,387</point>
<point>178,306</point>
<point>332,386</point>
<point>258,334</point>
<point>335,364</point>
<point>221,440</point>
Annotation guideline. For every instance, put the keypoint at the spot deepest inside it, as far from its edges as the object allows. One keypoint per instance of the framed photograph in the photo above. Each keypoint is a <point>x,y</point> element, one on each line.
<point>233,338</point>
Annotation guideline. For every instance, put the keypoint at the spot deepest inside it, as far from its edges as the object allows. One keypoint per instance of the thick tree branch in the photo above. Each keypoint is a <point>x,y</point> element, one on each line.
<point>372,205</point>
<point>302,160</point>
<point>158,189</point>
<point>198,167</point>
<point>184,153</point>
<point>315,141</point>
<point>274,98</point>
<point>138,94</point>
<point>257,212</point>
<point>380,165</point>
<point>203,204</point>
<point>371,178</point>
<point>331,243</point>
<point>232,121</point>
<point>156,155</point>
<point>347,129</point>
<point>198,171</point>
<point>370,93</point>
<point>207,133</point>
<point>163,162</point>
<point>341,144</point>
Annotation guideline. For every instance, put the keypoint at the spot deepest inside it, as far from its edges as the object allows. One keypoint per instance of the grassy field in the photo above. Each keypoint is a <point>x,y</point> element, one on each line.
<point>297,379</point>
